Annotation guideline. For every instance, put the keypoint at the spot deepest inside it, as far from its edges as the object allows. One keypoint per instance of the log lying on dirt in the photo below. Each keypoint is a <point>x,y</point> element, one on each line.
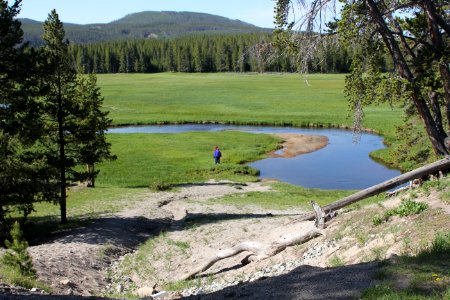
<point>435,167</point>
<point>259,250</point>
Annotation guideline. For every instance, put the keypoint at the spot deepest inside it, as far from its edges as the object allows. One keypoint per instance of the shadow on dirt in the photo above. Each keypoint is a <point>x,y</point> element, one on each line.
<point>123,232</point>
<point>304,282</point>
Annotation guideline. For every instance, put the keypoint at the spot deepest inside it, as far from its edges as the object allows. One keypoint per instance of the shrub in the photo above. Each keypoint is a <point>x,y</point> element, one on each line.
<point>410,207</point>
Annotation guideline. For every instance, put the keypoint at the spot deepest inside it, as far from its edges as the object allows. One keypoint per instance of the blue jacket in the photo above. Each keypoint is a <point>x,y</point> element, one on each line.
<point>217,153</point>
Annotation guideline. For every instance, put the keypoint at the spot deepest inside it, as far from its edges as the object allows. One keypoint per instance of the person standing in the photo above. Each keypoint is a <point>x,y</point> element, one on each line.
<point>217,155</point>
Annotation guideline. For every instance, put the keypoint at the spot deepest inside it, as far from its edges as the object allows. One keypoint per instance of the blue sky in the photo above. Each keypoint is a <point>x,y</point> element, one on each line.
<point>257,12</point>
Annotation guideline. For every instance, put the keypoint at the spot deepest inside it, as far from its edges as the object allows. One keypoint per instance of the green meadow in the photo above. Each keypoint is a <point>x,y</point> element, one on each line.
<point>160,161</point>
<point>276,99</point>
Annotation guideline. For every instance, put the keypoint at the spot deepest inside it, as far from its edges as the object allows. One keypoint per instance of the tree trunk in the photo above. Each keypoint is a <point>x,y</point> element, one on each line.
<point>438,43</point>
<point>434,133</point>
<point>62,159</point>
<point>91,175</point>
<point>259,251</point>
<point>435,167</point>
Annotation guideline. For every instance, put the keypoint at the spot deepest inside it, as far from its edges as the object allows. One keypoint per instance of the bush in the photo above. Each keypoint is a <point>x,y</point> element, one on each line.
<point>410,207</point>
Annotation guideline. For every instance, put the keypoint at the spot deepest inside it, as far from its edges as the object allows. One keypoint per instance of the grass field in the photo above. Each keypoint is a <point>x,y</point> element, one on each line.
<point>180,158</point>
<point>276,99</point>
<point>158,160</point>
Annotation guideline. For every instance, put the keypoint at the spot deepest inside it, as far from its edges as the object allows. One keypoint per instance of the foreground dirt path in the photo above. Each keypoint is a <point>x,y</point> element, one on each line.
<point>75,261</point>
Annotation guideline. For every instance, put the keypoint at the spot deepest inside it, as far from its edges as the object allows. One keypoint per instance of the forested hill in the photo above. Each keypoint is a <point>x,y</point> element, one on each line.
<point>143,25</point>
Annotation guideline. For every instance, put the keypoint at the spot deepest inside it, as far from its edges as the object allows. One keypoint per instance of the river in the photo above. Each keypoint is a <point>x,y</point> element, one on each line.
<point>342,164</point>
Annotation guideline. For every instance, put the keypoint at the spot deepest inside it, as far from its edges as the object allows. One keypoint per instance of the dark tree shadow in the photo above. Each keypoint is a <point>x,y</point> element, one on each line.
<point>304,282</point>
<point>121,232</point>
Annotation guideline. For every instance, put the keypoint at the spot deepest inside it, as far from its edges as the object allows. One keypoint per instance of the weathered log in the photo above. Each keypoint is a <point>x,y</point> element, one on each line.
<point>259,251</point>
<point>384,186</point>
<point>321,217</point>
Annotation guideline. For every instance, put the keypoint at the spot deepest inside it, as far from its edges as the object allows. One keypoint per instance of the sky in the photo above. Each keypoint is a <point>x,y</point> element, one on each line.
<point>257,12</point>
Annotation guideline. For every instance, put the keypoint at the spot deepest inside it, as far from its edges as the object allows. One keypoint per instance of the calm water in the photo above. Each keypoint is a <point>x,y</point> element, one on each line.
<point>340,165</point>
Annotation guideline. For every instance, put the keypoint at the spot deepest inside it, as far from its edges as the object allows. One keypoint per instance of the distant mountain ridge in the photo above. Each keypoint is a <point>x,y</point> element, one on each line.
<point>142,25</point>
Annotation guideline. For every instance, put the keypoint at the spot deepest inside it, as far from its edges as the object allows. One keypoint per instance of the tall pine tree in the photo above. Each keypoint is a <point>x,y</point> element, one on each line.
<point>75,127</point>
<point>60,105</point>
<point>24,172</point>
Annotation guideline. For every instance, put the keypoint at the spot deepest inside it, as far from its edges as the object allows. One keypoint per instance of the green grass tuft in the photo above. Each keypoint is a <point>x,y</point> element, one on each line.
<point>406,208</point>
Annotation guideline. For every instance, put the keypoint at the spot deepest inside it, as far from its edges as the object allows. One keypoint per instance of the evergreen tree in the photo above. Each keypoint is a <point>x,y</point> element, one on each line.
<point>91,127</point>
<point>75,125</point>
<point>413,35</point>
<point>59,106</point>
<point>17,254</point>
<point>24,172</point>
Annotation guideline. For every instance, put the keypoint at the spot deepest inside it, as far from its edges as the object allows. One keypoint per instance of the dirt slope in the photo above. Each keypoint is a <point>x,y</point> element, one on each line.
<point>195,226</point>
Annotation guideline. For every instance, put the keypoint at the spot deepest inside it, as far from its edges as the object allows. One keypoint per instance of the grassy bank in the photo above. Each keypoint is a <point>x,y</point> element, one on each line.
<point>278,99</point>
<point>184,157</point>
<point>158,160</point>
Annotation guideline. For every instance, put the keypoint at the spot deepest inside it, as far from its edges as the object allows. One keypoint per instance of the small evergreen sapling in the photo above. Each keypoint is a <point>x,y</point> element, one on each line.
<point>17,255</point>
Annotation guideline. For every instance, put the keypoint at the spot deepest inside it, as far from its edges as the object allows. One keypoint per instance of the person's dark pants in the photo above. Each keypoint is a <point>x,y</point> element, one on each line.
<point>217,160</point>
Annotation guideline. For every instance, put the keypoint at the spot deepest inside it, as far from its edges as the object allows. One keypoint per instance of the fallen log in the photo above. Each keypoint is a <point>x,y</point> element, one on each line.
<point>412,184</point>
<point>384,186</point>
<point>259,251</point>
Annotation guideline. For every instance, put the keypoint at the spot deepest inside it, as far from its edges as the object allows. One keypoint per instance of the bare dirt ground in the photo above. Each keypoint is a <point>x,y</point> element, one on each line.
<point>75,261</point>
<point>196,227</point>
<point>181,229</point>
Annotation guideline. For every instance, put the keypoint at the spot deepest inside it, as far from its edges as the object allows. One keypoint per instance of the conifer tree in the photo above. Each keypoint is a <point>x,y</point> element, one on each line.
<point>75,127</point>
<point>24,172</point>
<point>91,128</point>
<point>17,254</point>
<point>59,105</point>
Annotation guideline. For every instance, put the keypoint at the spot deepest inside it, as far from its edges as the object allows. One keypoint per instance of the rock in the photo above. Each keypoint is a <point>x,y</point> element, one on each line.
<point>144,291</point>
<point>34,290</point>
<point>66,282</point>
<point>119,288</point>
<point>69,292</point>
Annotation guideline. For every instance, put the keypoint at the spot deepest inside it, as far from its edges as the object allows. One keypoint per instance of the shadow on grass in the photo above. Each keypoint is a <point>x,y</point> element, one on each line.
<point>49,297</point>
<point>208,184</point>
